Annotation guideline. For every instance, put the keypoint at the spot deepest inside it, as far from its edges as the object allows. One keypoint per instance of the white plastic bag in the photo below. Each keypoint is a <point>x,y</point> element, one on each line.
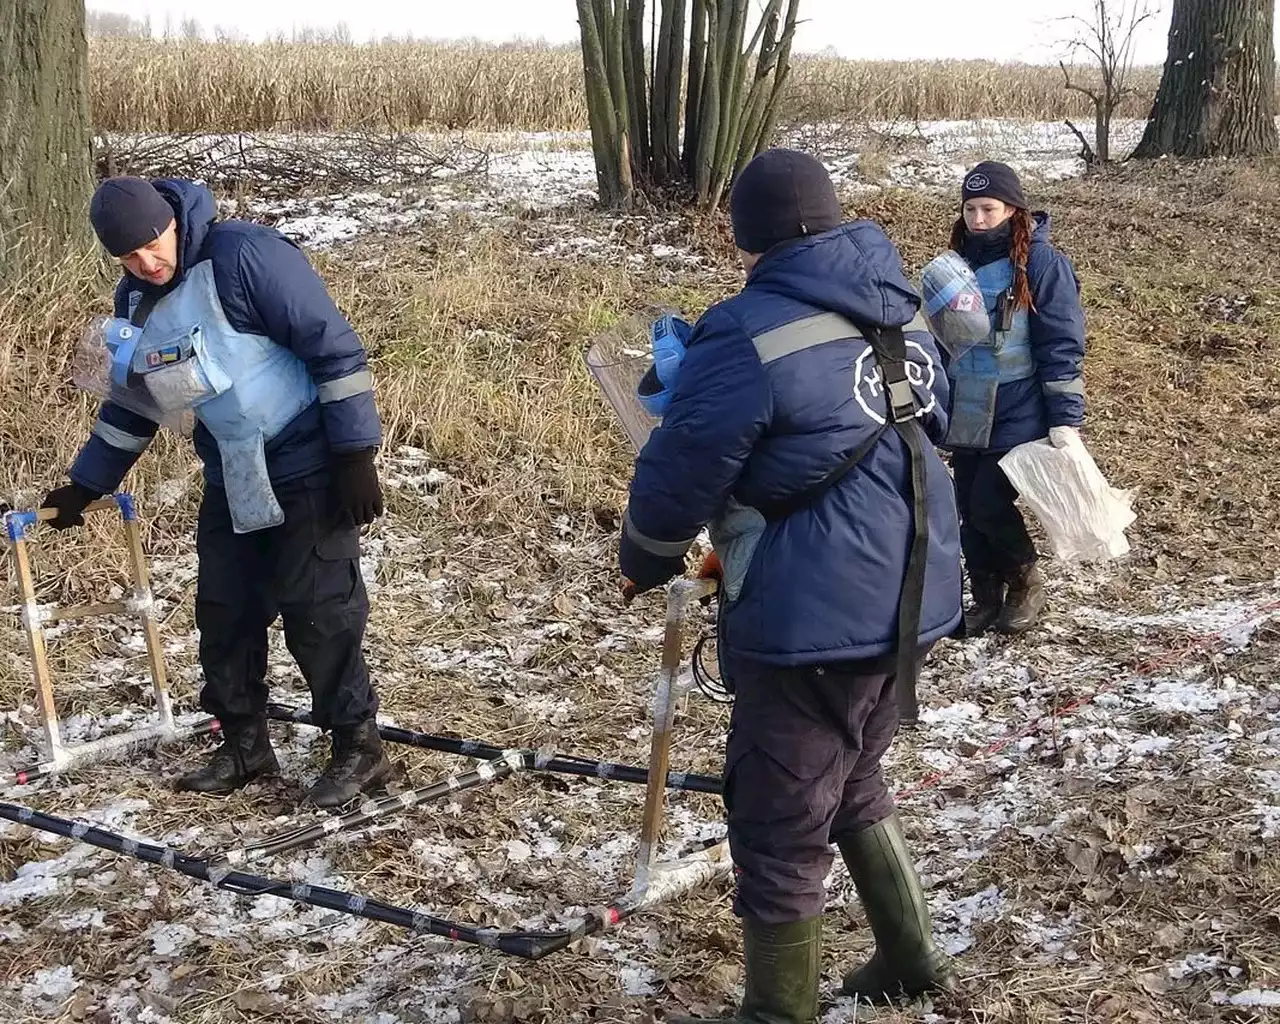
<point>1084,516</point>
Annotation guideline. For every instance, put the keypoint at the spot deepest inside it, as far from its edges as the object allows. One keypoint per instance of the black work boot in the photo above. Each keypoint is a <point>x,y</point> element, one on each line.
<point>782,967</point>
<point>906,962</point>
<point>988,599</point>
<point>1025,600</point>
<point>357,765</point>
<point>245,755</point>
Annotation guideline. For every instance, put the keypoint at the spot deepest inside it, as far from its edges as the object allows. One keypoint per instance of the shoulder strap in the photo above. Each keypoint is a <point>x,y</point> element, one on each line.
<point>890,348</point>
<point>146,304</point>
<point>891,351</point>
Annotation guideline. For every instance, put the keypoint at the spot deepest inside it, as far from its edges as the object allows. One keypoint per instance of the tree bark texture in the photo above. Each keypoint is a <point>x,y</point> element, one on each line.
<point>730,102</point>
<point>45,146</point>
<point>613,171</point>
<point>1217,94</point>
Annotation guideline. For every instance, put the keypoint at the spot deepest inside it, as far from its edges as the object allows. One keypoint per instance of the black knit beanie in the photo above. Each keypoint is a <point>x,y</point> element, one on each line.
<point>127,213</point>
<point>782,194</point>
<point>993,180</point>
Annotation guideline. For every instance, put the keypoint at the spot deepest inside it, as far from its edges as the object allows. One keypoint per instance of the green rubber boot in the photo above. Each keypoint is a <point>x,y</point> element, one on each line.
<point>782,967</point>
<point>906,962</point>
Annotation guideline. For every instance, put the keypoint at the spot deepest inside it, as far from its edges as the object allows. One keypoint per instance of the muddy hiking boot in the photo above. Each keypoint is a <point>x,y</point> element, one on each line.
<point>1024,602</point>
<point>245,755</point>
<point>783,962</point>
<point>988,600</point>
<point>357,765</point>
<point>906,963</point>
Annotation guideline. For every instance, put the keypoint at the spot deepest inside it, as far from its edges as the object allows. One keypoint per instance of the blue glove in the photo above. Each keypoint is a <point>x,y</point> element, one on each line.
<point>670,336</point>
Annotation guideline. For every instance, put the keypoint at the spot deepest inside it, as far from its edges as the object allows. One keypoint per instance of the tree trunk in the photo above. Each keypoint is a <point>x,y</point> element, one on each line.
<point>634,79</point>
<point>608,119</point>
<point>693,95</point>
<point>730,103</point>
<point>1217,94</point>
<point>781,75</point>
<point>45,147</point>
<point>665,92</point>
<point>709,114</point>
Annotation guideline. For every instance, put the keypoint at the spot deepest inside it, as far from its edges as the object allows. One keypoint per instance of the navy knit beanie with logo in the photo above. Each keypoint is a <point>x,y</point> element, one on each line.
<point>993,180</point>
<point>127,213</point>
<point>782,194</point>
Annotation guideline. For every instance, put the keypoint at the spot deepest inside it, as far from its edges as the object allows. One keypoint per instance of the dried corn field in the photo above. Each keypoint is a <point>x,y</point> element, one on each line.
<point>159,85</point>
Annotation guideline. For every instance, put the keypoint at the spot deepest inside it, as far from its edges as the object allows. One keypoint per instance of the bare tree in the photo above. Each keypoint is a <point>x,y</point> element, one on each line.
<point>1106,37</point>
<point>730,101</point>
<point>45,159</point>
<point>191,29</point>
<point>1217,93</point>
<point>109,25</point>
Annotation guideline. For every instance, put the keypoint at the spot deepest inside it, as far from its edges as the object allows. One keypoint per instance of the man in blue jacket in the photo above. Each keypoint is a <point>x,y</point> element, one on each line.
<point>801,448</point>
<point>229,321</point>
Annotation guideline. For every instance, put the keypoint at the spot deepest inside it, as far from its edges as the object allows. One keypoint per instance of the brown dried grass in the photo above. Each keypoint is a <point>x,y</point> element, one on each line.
<point>477,345</point>
<point>186,85</point>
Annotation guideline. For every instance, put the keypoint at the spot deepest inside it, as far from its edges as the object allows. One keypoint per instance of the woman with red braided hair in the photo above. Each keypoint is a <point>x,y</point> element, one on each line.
<point>1023,384</point>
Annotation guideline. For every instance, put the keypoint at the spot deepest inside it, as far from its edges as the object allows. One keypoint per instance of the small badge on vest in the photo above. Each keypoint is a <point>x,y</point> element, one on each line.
<point>164,356</point>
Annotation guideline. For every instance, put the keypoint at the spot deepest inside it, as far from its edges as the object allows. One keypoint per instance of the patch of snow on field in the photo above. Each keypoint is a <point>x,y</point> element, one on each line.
<point>546,171</point>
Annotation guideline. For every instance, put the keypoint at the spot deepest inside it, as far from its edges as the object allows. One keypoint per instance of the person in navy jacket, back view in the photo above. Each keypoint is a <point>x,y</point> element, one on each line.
<point>779,387</point>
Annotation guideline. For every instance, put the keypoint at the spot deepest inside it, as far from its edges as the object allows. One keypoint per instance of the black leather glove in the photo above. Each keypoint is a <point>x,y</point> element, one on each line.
<point>70,500</point>
<point>355,482</point>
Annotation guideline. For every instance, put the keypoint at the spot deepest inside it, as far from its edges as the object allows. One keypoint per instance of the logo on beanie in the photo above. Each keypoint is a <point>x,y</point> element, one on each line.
<point>976,182</point>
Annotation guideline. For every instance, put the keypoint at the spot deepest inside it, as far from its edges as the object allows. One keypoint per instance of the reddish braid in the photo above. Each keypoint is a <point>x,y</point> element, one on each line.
<point>1024,226</point>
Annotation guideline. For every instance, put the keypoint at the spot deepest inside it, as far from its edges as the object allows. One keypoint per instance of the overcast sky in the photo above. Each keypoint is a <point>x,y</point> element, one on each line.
<point>995,29</point>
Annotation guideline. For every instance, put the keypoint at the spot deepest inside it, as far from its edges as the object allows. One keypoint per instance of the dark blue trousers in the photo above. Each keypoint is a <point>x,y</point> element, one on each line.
<point>802,770</point>
<point>307,571</point>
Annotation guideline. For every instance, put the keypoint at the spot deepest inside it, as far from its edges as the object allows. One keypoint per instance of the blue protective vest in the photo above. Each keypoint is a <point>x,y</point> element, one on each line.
<point>977,374</point>
<point>244,388</point>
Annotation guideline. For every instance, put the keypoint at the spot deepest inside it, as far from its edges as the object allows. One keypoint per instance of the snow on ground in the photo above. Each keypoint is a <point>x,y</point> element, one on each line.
<point>1019,746</point>
<point>546,171</point>
<point>990,759</point>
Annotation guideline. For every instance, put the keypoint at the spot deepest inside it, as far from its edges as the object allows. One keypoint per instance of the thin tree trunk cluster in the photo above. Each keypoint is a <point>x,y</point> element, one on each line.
<point>701,105</point>
<point>1217,94</point>
<point>45,178</point>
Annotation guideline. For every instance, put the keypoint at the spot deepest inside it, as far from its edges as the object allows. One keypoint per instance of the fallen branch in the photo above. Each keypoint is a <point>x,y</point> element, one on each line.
<point>1086,151</point>
<point>284,163</point>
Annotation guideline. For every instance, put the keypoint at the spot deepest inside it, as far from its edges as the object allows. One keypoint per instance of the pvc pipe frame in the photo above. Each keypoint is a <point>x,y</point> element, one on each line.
<point>654,883</point>
<point>59,755</point>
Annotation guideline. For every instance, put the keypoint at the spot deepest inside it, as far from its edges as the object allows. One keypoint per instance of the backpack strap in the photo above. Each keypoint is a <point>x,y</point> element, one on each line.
<point>890,348</point>
<point>146,303</point>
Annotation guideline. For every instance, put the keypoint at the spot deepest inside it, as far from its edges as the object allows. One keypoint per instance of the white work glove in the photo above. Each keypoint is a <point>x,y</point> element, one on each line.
<point>1064,437</point>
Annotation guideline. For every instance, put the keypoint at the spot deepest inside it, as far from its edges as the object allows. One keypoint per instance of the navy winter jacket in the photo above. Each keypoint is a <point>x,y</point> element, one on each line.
<point>776,389</point>
<point>1054,397</point>
<point>266,286</point>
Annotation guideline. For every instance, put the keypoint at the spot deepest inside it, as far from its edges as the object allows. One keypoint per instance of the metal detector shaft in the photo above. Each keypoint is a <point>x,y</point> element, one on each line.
<point>532,945</point>
<point>101,749</point>
<point>34,618</point>
<point>563,765</point>
<point>680,596</point>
